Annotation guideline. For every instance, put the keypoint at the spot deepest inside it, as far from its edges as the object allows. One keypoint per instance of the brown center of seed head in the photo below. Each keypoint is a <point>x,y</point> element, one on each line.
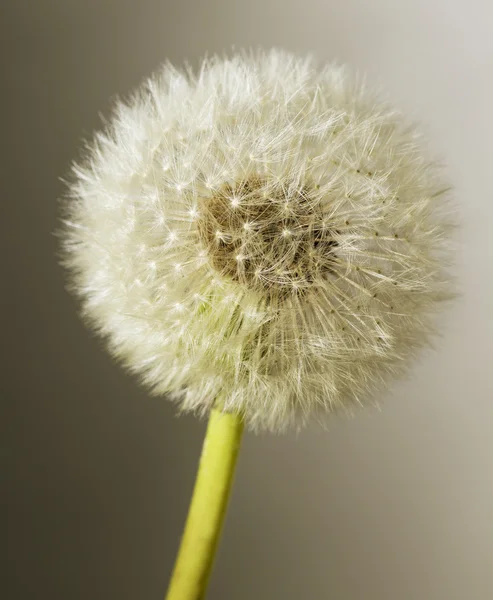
<point>267,238</point>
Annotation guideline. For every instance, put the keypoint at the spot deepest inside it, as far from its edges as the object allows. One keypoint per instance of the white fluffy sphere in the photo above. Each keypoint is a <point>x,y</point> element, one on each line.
<point>263,234</point>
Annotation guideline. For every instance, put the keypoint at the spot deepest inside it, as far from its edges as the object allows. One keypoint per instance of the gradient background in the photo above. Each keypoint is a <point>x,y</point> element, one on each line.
<point>392,505</point>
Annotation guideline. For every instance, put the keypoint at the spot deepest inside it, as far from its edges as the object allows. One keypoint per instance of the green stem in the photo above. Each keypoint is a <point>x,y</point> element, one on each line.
<point>207,508</point>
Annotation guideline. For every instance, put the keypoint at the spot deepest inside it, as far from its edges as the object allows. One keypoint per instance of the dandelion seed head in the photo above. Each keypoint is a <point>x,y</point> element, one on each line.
<point>265,232</point>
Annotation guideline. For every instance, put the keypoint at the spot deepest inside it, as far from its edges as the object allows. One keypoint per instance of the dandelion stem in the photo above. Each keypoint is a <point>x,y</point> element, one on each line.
<point>207,508</point>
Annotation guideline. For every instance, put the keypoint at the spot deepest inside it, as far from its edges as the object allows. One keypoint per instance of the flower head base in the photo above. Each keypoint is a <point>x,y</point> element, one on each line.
<point>270,239</point>
<point>263,233</point>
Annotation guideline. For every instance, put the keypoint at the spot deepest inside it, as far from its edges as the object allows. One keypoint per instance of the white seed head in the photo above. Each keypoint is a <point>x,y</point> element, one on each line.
<point>265,233</point>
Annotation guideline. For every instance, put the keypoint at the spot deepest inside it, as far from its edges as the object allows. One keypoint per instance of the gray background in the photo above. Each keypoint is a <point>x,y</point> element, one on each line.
<point>395,504</point>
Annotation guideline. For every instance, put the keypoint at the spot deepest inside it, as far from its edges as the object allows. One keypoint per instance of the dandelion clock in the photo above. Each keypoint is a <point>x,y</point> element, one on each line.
<point>263,242</point>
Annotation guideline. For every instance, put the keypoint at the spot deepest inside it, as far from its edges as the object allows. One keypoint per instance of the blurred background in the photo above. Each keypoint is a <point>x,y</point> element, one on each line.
<point>392,504</point>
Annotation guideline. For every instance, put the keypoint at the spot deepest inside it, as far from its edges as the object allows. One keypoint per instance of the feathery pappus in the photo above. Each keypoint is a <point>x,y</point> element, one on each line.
<point>264,233</point>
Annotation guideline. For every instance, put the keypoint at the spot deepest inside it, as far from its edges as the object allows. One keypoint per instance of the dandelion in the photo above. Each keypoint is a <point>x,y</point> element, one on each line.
<point>263,238</point>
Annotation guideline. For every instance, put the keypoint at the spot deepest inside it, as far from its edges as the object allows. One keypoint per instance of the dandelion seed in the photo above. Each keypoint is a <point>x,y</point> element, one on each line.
<point>301,200</point>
